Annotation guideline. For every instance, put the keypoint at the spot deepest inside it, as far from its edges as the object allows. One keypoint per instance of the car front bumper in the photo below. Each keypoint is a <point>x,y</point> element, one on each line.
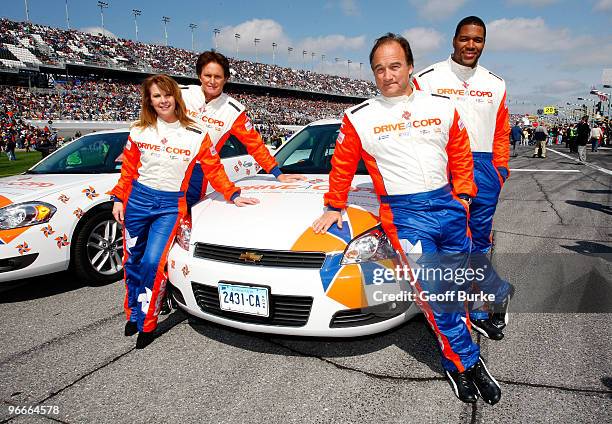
<point>197,279</point>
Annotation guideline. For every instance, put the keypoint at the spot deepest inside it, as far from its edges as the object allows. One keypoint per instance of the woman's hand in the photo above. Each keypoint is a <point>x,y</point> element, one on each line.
<point>244,201</point>
<point>329,218</point>
<point>118,212</point>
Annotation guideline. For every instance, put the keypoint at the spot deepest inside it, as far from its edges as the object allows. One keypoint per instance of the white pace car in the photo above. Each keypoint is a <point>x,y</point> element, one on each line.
<point>262,268</point>
<point>57,215</point>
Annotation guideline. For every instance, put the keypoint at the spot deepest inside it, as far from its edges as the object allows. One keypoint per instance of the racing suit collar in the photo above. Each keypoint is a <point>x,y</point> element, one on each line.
<point>215,100</point>
<point>400,99</point>
<point>463,72</point>
<point>161,124</point>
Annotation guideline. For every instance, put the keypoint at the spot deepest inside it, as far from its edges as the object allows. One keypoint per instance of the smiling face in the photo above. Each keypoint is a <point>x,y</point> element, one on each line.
<point>163,103</point>
<point>213,80</point>
<point>391,70</point>
<point>468,45</point>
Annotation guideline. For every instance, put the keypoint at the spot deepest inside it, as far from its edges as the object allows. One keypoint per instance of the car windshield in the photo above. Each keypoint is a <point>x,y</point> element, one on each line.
<point>310,151</point>
<point>91,154</point>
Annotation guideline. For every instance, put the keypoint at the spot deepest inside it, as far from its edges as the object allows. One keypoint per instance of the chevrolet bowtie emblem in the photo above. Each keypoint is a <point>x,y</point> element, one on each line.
<point>250,257</point>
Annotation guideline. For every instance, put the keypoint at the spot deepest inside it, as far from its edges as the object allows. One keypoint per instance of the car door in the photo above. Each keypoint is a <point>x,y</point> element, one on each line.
<point>238,163</point>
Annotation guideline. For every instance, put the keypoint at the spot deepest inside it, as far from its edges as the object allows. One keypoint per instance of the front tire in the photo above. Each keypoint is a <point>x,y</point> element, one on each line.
<point>97,255</point>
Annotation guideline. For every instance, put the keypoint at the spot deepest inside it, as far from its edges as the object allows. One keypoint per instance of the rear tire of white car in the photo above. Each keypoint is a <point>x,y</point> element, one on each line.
<point>97,255</point>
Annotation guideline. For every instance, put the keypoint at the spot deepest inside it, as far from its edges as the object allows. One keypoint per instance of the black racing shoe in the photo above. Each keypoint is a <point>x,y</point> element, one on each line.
<point>499,317</point>
<point>486,385</point>
<point>130,328</point>
<point>462,386</point>
<point>487,328</point>
<point>145,338</point>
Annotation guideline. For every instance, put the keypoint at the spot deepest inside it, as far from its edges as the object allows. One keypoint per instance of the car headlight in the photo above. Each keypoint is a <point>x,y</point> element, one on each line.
<point>183,234</point>
<point>373,245</point>
<point>25,214</point>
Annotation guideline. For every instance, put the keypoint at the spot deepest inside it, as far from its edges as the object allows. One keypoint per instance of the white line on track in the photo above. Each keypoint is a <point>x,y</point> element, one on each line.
<point>542,170</point>
<point>590,165</point>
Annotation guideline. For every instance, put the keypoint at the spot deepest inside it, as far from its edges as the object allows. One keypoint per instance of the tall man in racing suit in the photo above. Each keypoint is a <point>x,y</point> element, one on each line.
<point>409,141</point>
<point>480,97</point>
<point>221,116</point>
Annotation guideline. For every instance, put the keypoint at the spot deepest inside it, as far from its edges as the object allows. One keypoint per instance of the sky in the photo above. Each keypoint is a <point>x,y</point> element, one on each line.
<point>549,51</point>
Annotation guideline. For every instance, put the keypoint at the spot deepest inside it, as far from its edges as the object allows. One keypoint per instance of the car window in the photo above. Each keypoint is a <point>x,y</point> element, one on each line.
<point>91,154</point>
<point>311,150</point>
<point>232,147</point>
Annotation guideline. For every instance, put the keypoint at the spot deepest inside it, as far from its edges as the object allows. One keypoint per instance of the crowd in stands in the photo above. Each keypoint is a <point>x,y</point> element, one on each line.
<point>113,100</point>
<point>57,46</point>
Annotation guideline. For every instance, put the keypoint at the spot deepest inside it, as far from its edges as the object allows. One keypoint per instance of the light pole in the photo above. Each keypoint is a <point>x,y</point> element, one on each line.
<point>289,50</point>
<point>102,5</point>
<point>256,41</point>
<point>312,56</point>
<point>165,20</point>
<point>192,27</point>
<point>27,10</point>
<point>348,67</point>
<point>216,32</point>
<point>236,36</point>
<point>336,59</point>
<point>136,13</point>
<point>67,18</point>
<point>360,74</point>
<point>322,62</point>
<point>304,53</point>
<point>274,53</point>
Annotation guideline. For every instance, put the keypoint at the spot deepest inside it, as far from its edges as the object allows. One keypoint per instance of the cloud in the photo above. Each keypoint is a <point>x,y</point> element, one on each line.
<point>594,55</point>
<point>561,86</point>
<point>266,30</point>
<point>333,42</point>
<point>437,9</point>
<point>524,34</point>
<point>269,31</point>
<point>536,3</point>
<point>603,5</point>
<point>98,31</point>
<point>349,7</point>
<point>423,40</point>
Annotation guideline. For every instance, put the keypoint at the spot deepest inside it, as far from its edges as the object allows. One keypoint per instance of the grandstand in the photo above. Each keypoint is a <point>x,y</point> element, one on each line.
<point>49,74</point>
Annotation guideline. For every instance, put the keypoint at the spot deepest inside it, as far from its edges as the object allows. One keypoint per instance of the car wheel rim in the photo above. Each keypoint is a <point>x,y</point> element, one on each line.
<point>105,247</point>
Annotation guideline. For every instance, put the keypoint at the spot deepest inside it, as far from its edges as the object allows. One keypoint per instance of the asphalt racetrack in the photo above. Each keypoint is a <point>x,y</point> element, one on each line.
<point>63,344</point>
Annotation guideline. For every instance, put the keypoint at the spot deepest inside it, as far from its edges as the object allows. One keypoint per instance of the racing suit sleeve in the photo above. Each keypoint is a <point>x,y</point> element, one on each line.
<point>242,128</point>
<point>460,162</point>
<point>214,171</point>
<point>344,165</point>
<point>129,171</point>
<point>501,147</point>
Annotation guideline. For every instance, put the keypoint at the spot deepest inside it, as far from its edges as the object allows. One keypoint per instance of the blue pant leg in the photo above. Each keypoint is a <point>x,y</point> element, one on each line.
<point>483,205</point>
<point>454,245</point>
<point>151,290</point>
<point>425,227</point>
<point>136,231</point>
<point>481,224</point>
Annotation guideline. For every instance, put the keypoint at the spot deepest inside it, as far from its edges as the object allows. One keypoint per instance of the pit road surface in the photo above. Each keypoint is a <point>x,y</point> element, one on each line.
<point>62,342</point>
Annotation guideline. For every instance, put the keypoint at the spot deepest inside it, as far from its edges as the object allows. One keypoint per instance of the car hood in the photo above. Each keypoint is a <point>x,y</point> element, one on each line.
<point>283,218</point>
<point>19,188</point>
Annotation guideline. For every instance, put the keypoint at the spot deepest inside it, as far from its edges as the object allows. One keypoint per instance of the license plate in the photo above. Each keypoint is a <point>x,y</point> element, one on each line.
<point>244,299</point>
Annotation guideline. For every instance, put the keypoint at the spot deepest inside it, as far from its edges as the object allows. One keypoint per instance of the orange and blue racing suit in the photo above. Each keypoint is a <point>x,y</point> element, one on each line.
<point>409,145</point>
<point>480,98</point>
<point>157,165</point>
